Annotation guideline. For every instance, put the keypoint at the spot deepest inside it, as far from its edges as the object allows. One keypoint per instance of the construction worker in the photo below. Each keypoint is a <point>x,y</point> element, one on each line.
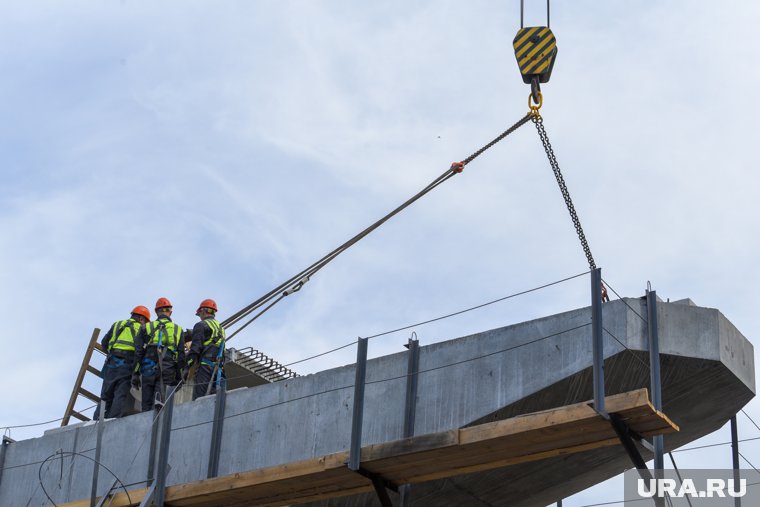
<point>119,343</point>
<point>207,348</point>
<point>159,355</point>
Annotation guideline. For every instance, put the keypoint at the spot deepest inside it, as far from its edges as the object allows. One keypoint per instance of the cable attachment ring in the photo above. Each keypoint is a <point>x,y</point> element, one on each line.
<point>534,104</point>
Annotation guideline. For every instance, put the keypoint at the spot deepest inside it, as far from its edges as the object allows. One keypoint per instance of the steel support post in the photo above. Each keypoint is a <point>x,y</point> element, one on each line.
<point>559,503</point>
<point>598,339</point>
<point>655,379</point>
<point>6,442</point>
<point>163,450</point>
<point>153,444</point>
<point>735,457</point>
<point>410,406</point>
<point>96,463</point>
<point>354,457</point>
<point>216,429</point>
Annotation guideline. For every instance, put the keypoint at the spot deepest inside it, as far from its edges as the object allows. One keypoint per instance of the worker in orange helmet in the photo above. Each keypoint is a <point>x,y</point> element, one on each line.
<point>159,355</point>
<point>207,349</point>
<point>119,344</point>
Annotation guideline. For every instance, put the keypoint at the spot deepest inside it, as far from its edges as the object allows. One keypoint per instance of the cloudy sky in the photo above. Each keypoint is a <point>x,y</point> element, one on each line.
<point>194,149</point>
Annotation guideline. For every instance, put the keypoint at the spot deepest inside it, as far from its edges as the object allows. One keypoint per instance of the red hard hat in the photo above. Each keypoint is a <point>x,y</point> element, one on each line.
<point>163,303</point>
<point>206,303</point>
<point>142,311</point>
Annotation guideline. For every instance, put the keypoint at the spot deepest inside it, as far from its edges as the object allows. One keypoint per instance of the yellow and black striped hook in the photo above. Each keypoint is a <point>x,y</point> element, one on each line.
<point>535,50</point>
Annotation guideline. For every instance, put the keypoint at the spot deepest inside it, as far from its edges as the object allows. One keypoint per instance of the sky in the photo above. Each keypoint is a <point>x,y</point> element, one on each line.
<point>192,149</point>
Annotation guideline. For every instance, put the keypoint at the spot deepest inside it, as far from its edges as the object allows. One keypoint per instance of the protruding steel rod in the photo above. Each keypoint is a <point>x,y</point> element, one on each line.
<point>598,340</point>
<point>354,457</point>
<point>654,373</point>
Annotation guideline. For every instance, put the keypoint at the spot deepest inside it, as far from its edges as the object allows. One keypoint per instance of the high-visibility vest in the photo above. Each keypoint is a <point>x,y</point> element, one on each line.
<point>217,334</point>
<point>123,335</point>
<point>164,333</point>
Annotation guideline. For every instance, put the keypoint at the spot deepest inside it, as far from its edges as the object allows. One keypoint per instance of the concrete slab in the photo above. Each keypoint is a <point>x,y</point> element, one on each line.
<point>708,375</point>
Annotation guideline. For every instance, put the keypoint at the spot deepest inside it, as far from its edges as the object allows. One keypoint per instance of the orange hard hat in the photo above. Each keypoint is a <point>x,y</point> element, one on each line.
<point>142,311</point>
<point>207,303</point>
<point>163,303</point>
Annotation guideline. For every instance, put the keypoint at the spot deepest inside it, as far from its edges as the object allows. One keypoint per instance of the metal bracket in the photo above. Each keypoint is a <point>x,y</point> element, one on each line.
<point>381,487</point>
<point>150,497</point>
<point>628,438</point>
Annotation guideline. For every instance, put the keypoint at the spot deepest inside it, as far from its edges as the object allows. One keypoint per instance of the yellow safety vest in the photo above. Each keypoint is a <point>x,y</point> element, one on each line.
<point>123,335</point>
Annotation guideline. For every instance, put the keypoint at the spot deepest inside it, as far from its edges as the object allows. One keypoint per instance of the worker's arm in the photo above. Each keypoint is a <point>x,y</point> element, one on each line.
<point>196,346</point>
<point>140,341</point>
<point>107,338</point>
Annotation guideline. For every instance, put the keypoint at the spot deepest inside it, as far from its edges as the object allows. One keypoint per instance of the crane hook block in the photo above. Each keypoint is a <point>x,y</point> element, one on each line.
<point>536,51</point>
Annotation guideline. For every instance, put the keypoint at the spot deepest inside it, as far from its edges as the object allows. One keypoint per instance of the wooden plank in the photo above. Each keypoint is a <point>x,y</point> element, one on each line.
<point>89,395</point>
<point>94,371</point>
<point>530,437</point>
<point>79,416</point>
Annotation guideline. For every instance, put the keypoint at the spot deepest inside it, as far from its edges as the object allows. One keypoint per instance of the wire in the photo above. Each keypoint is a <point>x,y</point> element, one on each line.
<point>751,420</point>
<point>41,423</point>
<point>72,453</point>
<point>478,306</point>
<point>627,349</point>
<point>481,356</point>
<point>623,300</point>
<point>748,462</point>
<point>714,445</point>
<point>445,316</point>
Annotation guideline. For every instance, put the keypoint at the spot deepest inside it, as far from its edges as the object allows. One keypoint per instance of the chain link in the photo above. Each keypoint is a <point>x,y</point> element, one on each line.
<point>539,122</point>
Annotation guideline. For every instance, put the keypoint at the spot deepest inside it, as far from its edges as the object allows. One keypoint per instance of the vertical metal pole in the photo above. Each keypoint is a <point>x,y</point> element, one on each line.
<point>6,441</point>
<point>522,8</point>
<point>95,464</point>
<point>735,458</point>
<point>598,341</point>
<point>216,430</point>
<point>559,503</point>
<point>163,451</point>
<point>354,457</point>
<point>655,382</point>
<point>410,407</point>
<point>153,444</point>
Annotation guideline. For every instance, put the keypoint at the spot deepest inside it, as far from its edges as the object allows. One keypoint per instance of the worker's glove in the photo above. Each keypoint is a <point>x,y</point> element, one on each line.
<point>136,380</point>
<point>190,360</point>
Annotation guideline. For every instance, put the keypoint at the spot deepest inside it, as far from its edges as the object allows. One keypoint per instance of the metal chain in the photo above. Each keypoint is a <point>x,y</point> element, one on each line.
<point>539,122</point>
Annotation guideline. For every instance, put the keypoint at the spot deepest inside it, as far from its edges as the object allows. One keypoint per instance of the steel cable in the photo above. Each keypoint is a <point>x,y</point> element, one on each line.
<point>295,283</point>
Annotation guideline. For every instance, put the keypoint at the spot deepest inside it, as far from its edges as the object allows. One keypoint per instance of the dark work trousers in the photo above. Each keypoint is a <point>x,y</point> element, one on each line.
<point>117,373</point>
<point>151,384</point>
<point>202,379</point>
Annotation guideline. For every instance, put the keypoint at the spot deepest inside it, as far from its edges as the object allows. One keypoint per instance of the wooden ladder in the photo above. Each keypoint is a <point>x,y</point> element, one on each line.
<point>78,389</point>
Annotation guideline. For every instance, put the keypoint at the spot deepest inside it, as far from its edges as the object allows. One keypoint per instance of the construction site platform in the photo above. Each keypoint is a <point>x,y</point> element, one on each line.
<point>530,437</point>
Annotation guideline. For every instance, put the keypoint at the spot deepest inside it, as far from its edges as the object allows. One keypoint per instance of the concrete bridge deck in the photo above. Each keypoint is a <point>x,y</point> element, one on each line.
<point>707,368</point>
